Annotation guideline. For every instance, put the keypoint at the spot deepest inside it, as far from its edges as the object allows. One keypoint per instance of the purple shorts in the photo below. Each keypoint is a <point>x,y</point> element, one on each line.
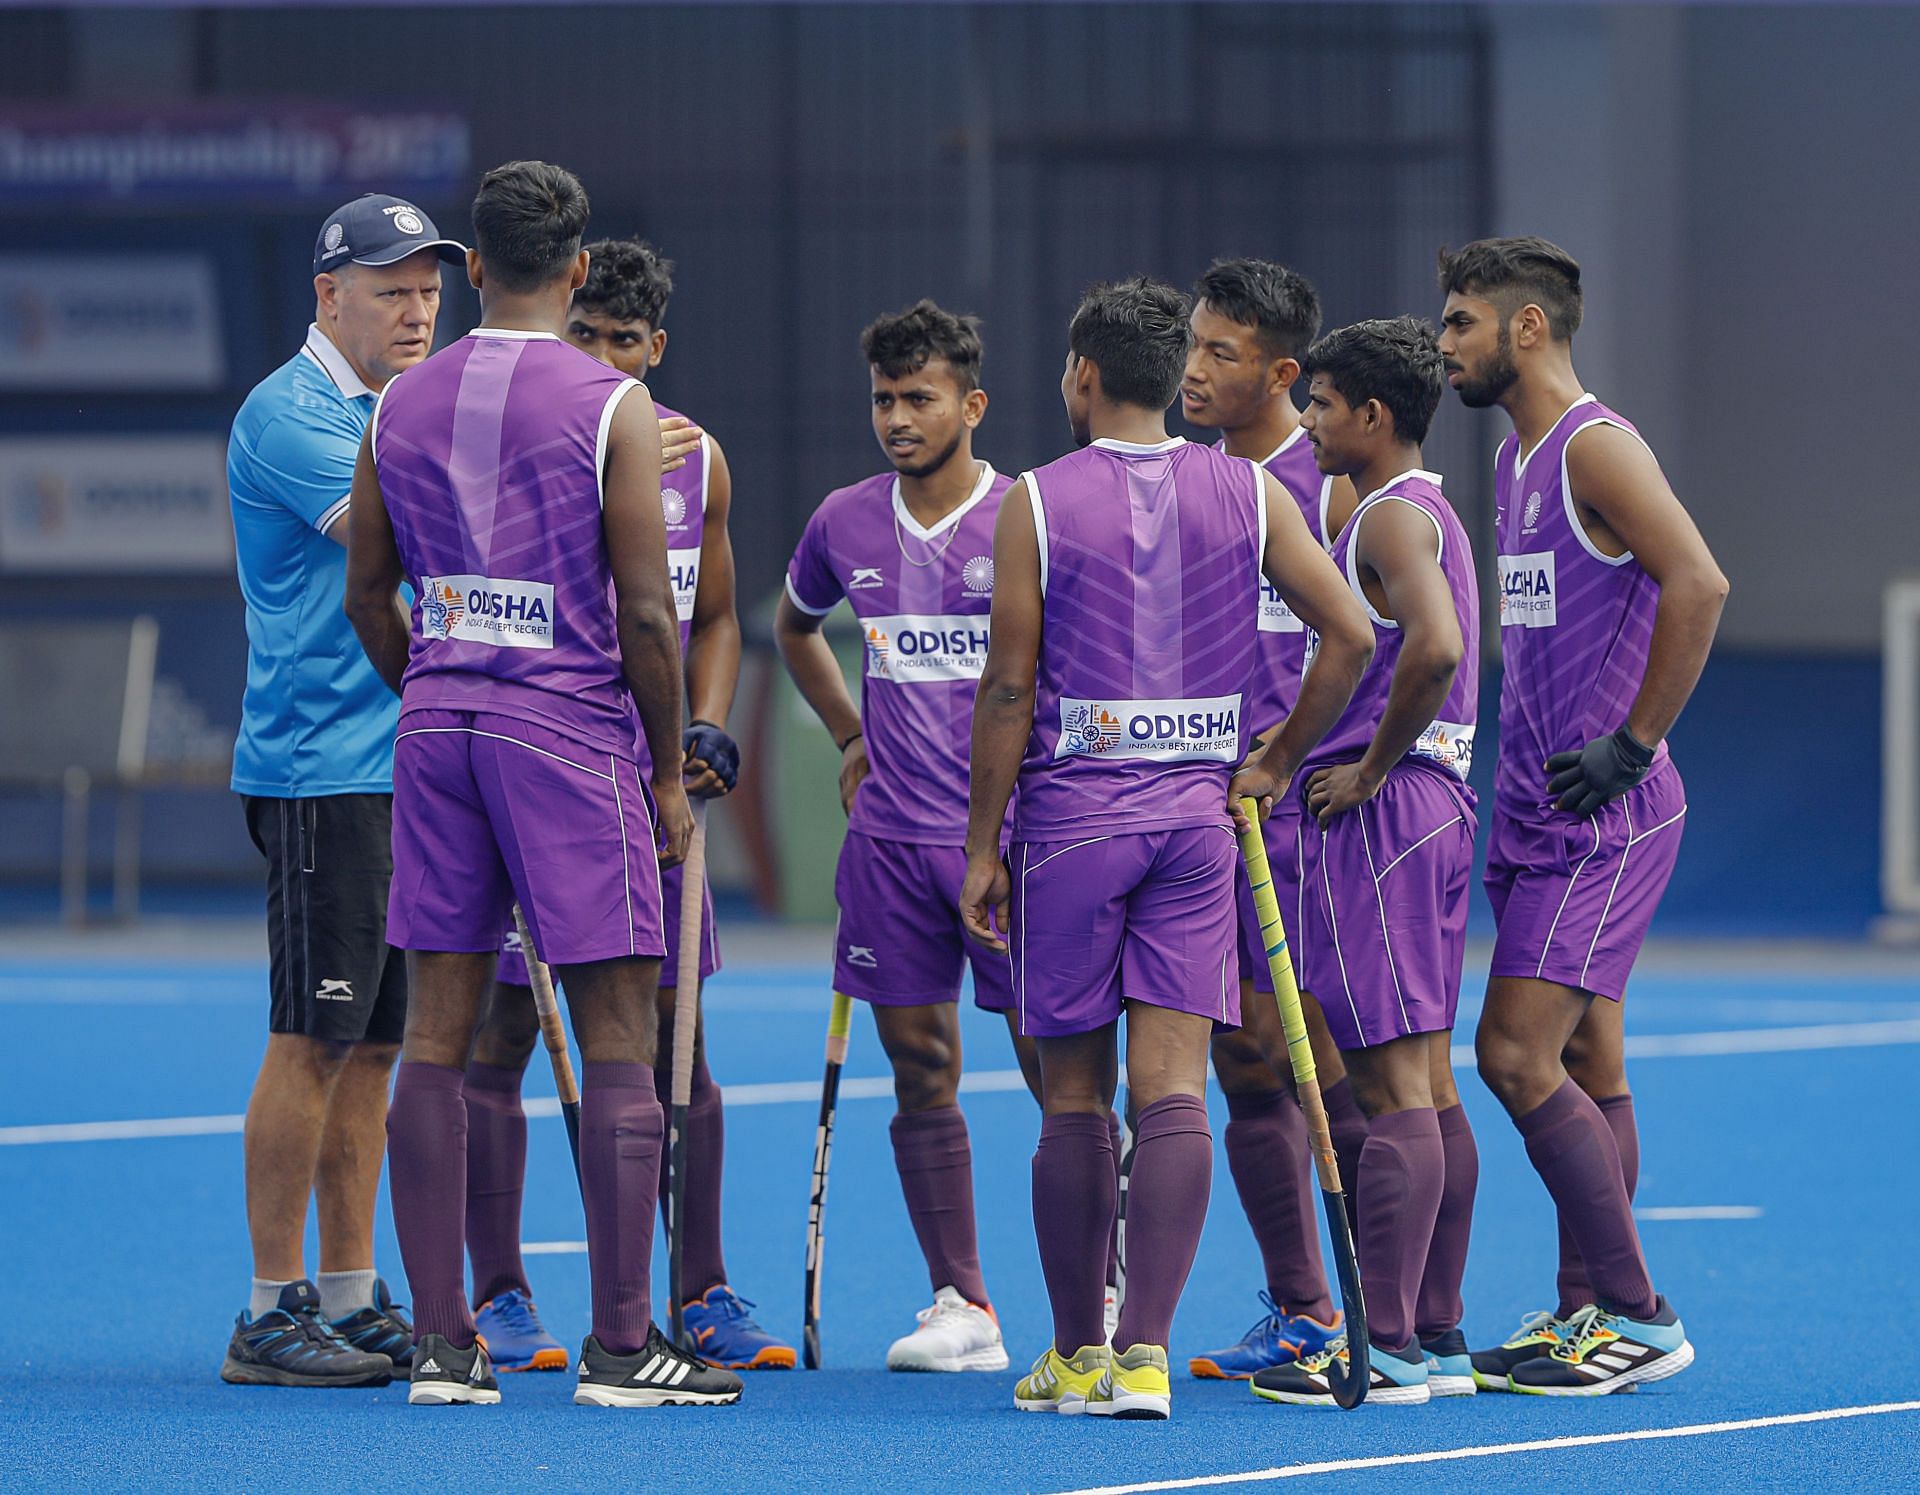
<point>513,963</point>
<point>1148,918</point>
<point>900,942</point>
<point>1572,897</point>
<point>1386,908</point>
<point>489,809</point>
<point>1282,833</point>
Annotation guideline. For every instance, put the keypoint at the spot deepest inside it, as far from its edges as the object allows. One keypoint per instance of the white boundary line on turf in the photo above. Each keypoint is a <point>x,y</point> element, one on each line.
<point>986,1082</point>
<point>1698,1212</point>
<point>1495,1450</point>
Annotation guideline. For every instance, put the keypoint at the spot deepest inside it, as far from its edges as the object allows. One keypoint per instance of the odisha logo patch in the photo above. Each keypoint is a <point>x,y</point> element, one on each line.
<point>1091,729</point>
<point>441,607</point>
<point>877,650</point>
<point>977,576</point>
<point>1530,515</point>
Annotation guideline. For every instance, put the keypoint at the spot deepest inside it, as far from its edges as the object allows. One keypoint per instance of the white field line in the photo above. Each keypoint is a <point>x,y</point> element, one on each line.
<point>1698,1212</point>
<point>553,1248</point>
<point>1496,1450</point>
<point>876,1087</point>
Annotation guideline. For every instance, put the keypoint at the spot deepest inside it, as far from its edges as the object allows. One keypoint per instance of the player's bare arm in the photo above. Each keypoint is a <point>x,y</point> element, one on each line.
<point>1313,587</point>
<point>374,574</point>
<point>649,628</point>
<point>1394,549</point>
<point>816,674</point>
<point>1002,714</point>
<point>1626,506</point>
<point>713,645</point>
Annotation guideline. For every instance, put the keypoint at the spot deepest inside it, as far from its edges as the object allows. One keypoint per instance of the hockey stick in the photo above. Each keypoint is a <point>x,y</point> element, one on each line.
<point>1349,1386</point>
<point>686,1022</point>
<point>839,1024</point>
<point>553,1033</point>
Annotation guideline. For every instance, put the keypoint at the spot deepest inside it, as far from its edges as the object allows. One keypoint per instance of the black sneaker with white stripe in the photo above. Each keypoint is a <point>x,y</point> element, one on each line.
<point>446,1376</point>
<point>660,1375</point>
<point>1608,1352</point>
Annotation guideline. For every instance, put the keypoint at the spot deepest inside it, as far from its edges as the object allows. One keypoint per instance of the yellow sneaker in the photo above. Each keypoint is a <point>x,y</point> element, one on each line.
<point>1136,1386</point>
<point>1065,1383</point>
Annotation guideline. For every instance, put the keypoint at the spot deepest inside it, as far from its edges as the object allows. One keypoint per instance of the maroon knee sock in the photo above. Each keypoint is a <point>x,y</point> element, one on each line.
<point>1113,1236</point>
<point>1074,1202</point>
<point>496,1179</point>
<point>1402,1169</point>
<point>1348,1123</point>
<point>1267,1153</point>
<point>427,1178</point>
<point>1438,1307</point>
<point>1166,1206</point>
<point>935,1160</point>
<point>1573,1151</point>
<point>1575,1291</point>
<point>702,1264</point>
<point>621,1134</point>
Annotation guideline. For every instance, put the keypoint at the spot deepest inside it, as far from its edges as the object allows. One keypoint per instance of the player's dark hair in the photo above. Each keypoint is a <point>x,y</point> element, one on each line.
<point>1136,333</point>
<point>1281,304</point>
<point>1514,272</point>
<point>628,280</point>
<point>528,217</point>
<point>1396,362</point>
<point>907,342</point>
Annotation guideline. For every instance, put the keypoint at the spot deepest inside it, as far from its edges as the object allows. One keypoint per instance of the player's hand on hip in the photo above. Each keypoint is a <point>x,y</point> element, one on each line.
<point>854,769</point>
<point>984,898</point>
<point>679,440</point>
<point>1258,784</point>
<point>676,822</point>
<point>1332,791</point>
<point>1606,768</point>
<point>712,765</point>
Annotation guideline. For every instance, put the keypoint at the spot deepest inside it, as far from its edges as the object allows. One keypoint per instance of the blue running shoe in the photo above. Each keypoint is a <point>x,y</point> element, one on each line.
<point>291,1345</point>
<point>1606,1352</point>
<point>515,1337</point>
<point>383,1329</point>
<point>1449,1364</point>
<point>1278,1339</point>
<point>723,1333</point>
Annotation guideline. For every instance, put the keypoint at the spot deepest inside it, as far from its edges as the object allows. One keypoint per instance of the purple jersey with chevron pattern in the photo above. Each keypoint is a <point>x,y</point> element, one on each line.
<point>1448,740</point>
<point>923,597</point>
<point>1281,656</point>
<point>489,456</point>
<point>1149,562</point>
<point>683,504</point>
<point>1575,624</point>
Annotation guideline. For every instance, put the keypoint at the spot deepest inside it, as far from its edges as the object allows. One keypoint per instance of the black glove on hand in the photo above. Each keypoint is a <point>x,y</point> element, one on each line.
<point>1604,769</point>
<point>712,746</point>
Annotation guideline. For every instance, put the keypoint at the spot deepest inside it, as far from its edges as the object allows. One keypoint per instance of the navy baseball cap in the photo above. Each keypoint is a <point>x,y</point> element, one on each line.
<point>379,230</point>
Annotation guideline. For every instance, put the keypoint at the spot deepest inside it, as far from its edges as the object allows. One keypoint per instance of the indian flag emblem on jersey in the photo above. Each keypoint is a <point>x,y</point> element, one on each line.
<point>977,576</point>
<point>674,507</point>
<point>877,650</point>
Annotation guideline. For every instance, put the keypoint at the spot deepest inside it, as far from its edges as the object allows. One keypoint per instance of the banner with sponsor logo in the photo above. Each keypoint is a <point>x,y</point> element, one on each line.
<point>267,152</point>
<point>124,504</point>
<point>109,322</point>
<point>1202,729</point>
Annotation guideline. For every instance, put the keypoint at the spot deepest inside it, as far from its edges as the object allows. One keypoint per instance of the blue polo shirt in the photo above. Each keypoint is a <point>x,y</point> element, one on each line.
<point>316,718</point>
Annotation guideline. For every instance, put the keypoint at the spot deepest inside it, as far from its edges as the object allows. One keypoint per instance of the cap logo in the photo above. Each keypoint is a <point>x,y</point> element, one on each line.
<point>335,233</point>
<point>408,223</point>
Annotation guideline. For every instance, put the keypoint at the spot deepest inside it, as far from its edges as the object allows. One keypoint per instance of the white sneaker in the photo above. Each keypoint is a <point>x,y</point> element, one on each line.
<point>1110,1311</point>
<point>953,1335</point>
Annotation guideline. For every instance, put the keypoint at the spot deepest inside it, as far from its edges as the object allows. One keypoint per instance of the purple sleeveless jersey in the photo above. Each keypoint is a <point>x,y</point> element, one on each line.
<point>1149,562</point>
<point>1575,624</point>
<point>683,502</point>
<point>514,610</point>
<point>1448,741</point>
<point>1281,656</point>
<point>923,597</point>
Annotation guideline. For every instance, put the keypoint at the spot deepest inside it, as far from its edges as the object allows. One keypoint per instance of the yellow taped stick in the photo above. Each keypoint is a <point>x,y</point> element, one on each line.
<point>1286,995</point>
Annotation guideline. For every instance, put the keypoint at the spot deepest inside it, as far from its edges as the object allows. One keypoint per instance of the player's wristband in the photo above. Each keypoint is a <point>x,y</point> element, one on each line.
<point>850,739</point>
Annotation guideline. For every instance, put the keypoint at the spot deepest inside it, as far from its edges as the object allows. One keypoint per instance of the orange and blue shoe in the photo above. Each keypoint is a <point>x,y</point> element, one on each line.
<point>1278,1339</point>
<point>721,1332</point>
<point>515,1338</point>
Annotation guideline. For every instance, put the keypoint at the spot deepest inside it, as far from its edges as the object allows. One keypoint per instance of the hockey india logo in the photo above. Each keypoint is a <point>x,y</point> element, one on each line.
<point>408,223</point>
<point>977,576</point>
<point>674,506</point>
<point>1091,729</point>
<point>877,651</point>
<point>441,608</point>
<point>1530,516</point>
<point>335,233</point>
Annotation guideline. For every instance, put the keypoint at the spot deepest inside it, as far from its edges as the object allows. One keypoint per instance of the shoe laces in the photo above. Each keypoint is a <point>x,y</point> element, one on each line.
<point>311,1327</point>
<point>516,1311</point>
<point>1540,1321</point>
<point>940,1310</point>
<point>1587,1327</point>
<point>724,1303</point>
<point>1336,1350</point>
